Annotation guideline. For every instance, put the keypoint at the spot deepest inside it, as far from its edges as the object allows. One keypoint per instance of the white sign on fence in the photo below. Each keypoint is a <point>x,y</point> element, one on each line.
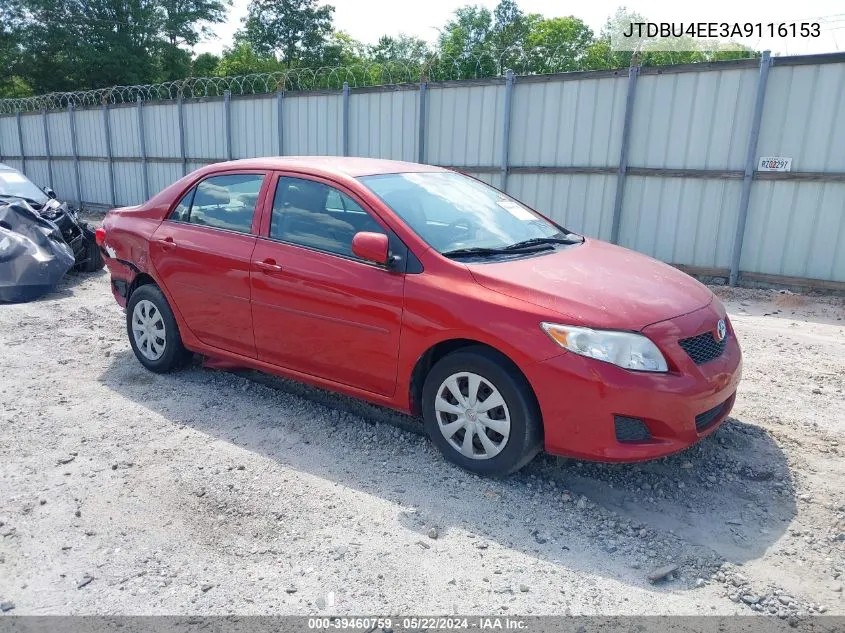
<point>775,163</point>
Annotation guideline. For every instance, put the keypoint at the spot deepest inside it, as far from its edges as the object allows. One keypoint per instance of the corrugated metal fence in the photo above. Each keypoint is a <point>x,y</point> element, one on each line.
<point>661,160</point>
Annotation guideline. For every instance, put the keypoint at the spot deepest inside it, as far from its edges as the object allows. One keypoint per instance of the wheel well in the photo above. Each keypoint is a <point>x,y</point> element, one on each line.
<point>438,351</point>
<point>141,279</point>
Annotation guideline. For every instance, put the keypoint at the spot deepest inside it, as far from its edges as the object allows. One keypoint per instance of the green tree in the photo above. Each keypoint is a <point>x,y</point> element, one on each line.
<point>174,62</point>
<point>464,45</point>
<point>80,44</point>
<point>242,59</point>
<point>295,30</point>
<point>559,45</point>
<point>11,84</point>
<point>204,65</point>
<point>341,49</point>
<point>403,48</point>
<point>397,59</point>
<point>509,35</point>
<point>75,45</point>
<point>183,24</point>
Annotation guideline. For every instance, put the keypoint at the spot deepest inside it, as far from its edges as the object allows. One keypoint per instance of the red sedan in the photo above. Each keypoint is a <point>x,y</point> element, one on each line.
<point>430,292</point>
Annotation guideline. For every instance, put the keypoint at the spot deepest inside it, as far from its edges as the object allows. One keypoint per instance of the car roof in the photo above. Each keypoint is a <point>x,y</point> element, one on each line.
<point>351,166</point>
<point>4,167</point>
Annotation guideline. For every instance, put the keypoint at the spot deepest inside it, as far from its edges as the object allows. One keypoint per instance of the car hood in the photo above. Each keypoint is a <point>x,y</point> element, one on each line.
<point>598,285</point>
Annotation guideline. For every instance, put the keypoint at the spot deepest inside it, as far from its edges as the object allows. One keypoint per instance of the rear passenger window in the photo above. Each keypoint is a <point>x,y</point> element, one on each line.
<point>183,210</point>
<point>223,202</point>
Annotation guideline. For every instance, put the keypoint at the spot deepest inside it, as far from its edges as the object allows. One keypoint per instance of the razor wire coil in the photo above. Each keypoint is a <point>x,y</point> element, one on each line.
<point>436,68</point>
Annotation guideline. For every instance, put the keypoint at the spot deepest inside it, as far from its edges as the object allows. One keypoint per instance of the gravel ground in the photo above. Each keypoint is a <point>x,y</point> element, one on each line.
<point>125,492</point>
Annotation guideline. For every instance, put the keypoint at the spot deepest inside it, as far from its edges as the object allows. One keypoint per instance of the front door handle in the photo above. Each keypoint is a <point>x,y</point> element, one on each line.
<point>268,266</point>
<point>167,243</point>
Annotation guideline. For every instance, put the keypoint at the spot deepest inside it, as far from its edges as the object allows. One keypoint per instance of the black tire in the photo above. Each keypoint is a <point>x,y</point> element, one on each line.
<point>93,260</point>
<point>175,355</point>
<point>525,439</point>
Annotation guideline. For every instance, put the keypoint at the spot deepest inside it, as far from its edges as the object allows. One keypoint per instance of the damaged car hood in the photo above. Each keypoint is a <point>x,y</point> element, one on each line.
<point>33,254</point>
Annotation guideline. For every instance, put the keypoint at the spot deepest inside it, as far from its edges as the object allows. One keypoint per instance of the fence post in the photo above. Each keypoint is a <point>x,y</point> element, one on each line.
<point>72,113</point>
<point>20,141</point>
<point>346,118</point>
<point>109,154</point>
<point>421,141</point>
<point>280,95</point>
<point>47,147</point>
<point>750,162</point>
<point>227,108</point>
<point>506,133</point>
<point>143,146</point>
<point>622,171</point>
<point>180,106</point>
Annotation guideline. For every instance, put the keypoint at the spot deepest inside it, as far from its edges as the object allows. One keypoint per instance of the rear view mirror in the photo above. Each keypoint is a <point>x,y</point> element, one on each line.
<point>371,247</point>
<point>50,193</point>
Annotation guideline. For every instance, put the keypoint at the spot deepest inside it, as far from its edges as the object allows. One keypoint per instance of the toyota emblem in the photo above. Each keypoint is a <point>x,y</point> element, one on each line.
<point>721,330</point>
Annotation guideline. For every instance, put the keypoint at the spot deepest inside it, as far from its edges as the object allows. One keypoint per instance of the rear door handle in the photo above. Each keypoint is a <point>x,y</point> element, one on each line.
<point>268,266</point>
<point>167,243</point>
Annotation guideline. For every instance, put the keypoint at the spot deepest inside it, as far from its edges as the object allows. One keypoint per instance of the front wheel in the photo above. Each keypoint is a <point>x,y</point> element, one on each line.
<point>153,332</point>
<point>481,413</point>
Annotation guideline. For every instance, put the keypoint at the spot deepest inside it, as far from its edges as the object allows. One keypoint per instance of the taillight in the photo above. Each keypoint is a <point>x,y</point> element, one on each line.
<point>100,236</point>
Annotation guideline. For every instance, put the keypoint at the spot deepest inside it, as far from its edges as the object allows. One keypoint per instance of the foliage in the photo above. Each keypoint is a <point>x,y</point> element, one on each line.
<point>242,59</point>
<point>402,48</point>
<point>65,45</point>
<point>465,42</point>
<point>57,45</point>
<point>204,65</point>
<point>560,45</point>
<point>295,30</point>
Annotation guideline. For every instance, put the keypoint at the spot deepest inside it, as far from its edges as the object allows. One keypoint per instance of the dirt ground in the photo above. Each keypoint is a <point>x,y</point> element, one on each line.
<point>125,492</point>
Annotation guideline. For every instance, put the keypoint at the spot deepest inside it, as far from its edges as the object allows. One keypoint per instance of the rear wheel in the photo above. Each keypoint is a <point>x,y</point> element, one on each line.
<point>153,332</point>
<point>481,413</point>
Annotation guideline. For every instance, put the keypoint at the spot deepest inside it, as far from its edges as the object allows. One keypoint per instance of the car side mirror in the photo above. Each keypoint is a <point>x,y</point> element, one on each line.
<point>372,247</point>
<point>50,193</point>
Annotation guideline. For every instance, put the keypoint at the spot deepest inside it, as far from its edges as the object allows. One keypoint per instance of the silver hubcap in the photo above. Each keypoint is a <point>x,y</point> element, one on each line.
<point>472,415</point>
<point>148,329</point>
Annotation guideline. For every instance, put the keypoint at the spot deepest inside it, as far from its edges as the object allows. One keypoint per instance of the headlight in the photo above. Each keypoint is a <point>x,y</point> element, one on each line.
<point>626,349</point>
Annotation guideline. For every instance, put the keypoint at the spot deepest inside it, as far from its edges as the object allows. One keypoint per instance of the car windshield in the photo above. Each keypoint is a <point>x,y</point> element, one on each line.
<point>14,183</point>
<point>457,214</point>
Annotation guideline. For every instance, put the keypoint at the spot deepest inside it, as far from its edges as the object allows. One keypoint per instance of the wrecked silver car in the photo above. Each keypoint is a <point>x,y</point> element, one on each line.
<point>41,239</point>
<point>77,233</point>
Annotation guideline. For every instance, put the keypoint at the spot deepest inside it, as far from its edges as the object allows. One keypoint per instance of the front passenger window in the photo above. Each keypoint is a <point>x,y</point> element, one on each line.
<point>318,216</point>
<point>223,202</point>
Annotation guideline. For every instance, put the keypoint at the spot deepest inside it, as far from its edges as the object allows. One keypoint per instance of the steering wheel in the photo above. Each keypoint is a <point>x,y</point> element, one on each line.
<point>462,225</point>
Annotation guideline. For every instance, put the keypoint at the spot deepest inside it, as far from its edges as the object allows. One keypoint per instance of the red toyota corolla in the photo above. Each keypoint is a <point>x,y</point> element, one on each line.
<point>430,292</point>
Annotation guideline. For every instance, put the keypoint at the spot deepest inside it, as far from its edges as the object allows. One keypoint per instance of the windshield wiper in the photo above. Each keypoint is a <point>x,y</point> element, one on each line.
<point>507,250</point>
<point>475,251</point>
<point>534,241</point>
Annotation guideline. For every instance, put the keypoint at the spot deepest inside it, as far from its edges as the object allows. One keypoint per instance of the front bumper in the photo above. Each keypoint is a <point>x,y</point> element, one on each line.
<point>580,397</point>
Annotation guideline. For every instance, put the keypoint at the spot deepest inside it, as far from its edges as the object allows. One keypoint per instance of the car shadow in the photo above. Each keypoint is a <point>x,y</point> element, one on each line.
<point>729,498</point>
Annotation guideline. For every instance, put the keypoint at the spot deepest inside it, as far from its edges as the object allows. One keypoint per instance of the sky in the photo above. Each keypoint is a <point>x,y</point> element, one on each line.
<point>367,20</point>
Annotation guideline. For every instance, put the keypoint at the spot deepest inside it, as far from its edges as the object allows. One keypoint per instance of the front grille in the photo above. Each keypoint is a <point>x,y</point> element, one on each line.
<point>704,421</point>
<point>703,348</point>
<point>631,429</point>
